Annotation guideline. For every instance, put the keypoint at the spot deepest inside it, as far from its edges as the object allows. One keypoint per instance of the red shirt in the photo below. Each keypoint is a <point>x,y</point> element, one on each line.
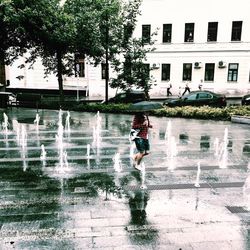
<point>142,123</point>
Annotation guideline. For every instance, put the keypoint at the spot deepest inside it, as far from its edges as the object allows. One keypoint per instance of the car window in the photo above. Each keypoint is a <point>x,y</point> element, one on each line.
<point>191,97</point>
<point>123,95</point>
<point>204,96</point>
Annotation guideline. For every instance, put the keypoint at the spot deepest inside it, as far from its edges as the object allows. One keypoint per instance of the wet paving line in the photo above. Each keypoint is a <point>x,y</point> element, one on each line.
<point>187,186</point>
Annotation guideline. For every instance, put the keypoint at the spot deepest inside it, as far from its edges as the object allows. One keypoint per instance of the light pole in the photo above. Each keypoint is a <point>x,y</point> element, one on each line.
<point>107,52</point>
<point>77,73</point>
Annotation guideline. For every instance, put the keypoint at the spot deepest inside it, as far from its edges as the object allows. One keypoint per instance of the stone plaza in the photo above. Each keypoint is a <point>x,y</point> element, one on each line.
<point>67,182</point>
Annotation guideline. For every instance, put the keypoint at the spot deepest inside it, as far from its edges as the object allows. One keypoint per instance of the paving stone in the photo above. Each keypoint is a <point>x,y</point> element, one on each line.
<point>210,245</point>
<point>41,208</point>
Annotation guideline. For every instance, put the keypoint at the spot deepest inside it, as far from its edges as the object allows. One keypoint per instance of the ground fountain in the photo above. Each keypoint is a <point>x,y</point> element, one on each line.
<point>23,144</point>
<point>177,197</point>
<point>117,163</point>
<point>143,176</point>
<point>216,146</point>
<point>62,154</point>
<point>67,124</point>
<point>197,181</point>
<point>171,146</point>
<point>223,154</point>
<point>43,153</point>
<point>36,122</point>
<point>5,123</point>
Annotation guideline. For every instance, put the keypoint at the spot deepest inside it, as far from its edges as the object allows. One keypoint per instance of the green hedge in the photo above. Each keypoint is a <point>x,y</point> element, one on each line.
<point>203,112</point>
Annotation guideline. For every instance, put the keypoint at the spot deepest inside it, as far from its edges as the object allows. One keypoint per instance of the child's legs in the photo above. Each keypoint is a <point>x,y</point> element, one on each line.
<point>142,146</point>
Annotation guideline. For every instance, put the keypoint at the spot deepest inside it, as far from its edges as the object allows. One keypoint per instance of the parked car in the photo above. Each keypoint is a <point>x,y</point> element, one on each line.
<point>198,98</point>
<point>128,97</point>
<point>245,100</point>
<point>7,98</point>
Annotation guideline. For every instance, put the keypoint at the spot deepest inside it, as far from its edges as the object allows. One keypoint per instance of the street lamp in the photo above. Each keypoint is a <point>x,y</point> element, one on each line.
<point>77,74</point>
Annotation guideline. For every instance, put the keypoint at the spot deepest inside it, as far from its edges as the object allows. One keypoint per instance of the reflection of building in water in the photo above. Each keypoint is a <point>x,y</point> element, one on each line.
<point>183,138</point>
<point>137,203</point>
<point>230,145</point>
<point>246,147</point>
<point>205,142</point>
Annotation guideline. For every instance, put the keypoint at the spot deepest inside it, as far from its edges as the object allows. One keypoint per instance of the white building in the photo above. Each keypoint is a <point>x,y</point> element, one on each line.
<point>199,42</point>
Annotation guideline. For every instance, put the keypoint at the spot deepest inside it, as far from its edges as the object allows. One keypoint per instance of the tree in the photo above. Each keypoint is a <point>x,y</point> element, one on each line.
<point>51,32</point>
<point>132,71</point>
<point>12,38</point>
<point>99,30</point>
<point>130,66</point>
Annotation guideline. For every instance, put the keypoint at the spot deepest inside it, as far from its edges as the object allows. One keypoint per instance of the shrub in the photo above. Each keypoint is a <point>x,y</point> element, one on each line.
<point>204,112</point>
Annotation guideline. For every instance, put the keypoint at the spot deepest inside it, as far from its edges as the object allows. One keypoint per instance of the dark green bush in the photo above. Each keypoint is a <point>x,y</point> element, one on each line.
<point>204,112</point>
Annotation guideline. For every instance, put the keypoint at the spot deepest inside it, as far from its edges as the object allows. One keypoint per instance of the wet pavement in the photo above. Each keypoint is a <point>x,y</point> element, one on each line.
<point>80,191</point>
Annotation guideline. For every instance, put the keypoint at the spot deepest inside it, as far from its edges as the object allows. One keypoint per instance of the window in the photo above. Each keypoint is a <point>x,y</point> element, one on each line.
<point>103,70</point>
<point>209,71</point>
<point>204,96</point>
<point>165,72</point>
<point>232,72</point>
<point>145,73</point>
<point>236,31</point>
<point>191,97</point>
<point>212,31</point>
<point>167,33</point>
<point>146,32</point>
<point>79,65</point>
<point>189,32</point>
<point>187,72</point>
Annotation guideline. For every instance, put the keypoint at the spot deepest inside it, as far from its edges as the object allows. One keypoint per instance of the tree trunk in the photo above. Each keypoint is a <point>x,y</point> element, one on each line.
<point>2,73</point>
<point>59,76</point>
<point>107,61</point>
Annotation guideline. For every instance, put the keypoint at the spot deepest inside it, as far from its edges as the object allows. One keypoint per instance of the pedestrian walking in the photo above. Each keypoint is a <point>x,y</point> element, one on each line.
<point>169,86</point>
<point>142,124</point>
<point>200,85</point>
<point>187,89</point>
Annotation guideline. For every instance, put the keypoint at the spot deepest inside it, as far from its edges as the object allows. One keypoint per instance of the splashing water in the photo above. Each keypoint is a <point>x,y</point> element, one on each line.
<point>117,162</point>
<point>36,121</point>
<point>170,141</point>
<point>88,150</point>
<point>216,146</point>
<point>18,135</point>
<point>65,159</point>
<point>223,156</point>
<point>197,181</point>
<point>23,144</point>
<point>62,155</point>
<point>132,150</point>
<point>5,123</point>
<point>97,133</point>
<point>43,153</point>
<point>143,175</point>
<point>67,124</point>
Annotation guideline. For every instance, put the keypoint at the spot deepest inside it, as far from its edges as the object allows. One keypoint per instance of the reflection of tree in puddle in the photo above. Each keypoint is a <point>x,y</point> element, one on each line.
<point>141,232</point>
<point>91,184</point>
<point>137,202</point>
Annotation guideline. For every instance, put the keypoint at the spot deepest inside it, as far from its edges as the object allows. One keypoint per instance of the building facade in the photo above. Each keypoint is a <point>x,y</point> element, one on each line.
<point>198,42</point>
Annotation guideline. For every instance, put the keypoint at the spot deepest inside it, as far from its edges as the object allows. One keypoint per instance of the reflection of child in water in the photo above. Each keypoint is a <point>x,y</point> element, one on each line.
<point>137,203</point>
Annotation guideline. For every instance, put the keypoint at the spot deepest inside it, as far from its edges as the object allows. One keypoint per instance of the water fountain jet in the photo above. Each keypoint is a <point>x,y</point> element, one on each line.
<point>197,181</point>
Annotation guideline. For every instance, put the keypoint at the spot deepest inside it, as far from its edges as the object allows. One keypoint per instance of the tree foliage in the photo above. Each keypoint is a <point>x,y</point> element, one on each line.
<point>131,65</point>
<point>51,32</point>
<point>100,29</point>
